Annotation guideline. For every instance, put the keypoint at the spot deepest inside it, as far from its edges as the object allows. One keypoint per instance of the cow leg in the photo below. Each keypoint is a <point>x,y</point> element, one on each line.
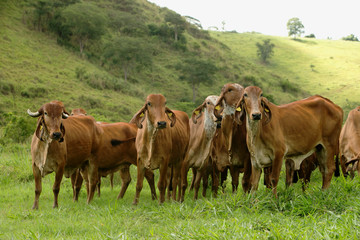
<point>184,182</point>
<point>93,180</point>
<point>38,186</point>
<point>197,184</point>
<point>98,185</point>
<point>215,181</point>
<point>235,172</point>
<point>85,175</point>
<point>194,171</point>
<point>76,181</point>
<point>175,180</point>
<point>326,165</point>
<point>56,187</point>
<point>255,178</point>
<point>245,182</point>
<point>139,181</point>
<point>289,167</point>
<point>125,180</point>
<point>149,175</point>
<point>223,176</point>
<point>162,181</point>
<point>275,171</point>
<point>267,181</point>
<point>112,180</point>
<point>205,179</point>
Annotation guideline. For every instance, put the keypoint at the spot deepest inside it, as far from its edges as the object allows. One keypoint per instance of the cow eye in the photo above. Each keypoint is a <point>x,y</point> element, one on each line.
<point>149,104</point>
<point>208,103</point>
<point>245,95</point>
<point>45,113</point>
<point>261,95</point>
<point>230,90</point>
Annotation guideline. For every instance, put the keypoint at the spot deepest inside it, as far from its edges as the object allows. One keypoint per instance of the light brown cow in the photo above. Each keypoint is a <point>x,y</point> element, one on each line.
<point>291,131</point>
<point>161,142</point>
<point>78,111</point>
<point>234,135</point>
<point>117,152</point>
<point>202,130</point>
<point>350,143</point>
<point>48,148</point>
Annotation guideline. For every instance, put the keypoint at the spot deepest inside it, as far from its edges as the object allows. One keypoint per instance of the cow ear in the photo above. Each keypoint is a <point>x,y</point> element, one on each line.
<point>267,110</point>
<point>139,117</point>
<point>39,132</point>
<point>197,112</point>
<point>240,111</point>
<point>171,116</point>
<point>62,129</point>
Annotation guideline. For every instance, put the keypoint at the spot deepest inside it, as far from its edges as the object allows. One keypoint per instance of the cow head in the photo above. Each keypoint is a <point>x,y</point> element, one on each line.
<point>254,105</point>
<point>49,124</point>
<point>229,97</point>
<point>156,113</point>
<point>78,111</point>
<point>208,106</point>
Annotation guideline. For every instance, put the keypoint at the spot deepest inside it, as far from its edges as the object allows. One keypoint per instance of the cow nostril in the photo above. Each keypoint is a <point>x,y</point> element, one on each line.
<point>161,124</point>
<point>256,116</point>
<point>56,135</point>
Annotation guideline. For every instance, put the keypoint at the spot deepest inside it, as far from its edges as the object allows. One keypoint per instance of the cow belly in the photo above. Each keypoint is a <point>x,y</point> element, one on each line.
<point>299,158</point>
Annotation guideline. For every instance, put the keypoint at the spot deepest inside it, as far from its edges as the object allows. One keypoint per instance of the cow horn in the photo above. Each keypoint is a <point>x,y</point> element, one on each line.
<point>64,115</point>
<point>33,114</point>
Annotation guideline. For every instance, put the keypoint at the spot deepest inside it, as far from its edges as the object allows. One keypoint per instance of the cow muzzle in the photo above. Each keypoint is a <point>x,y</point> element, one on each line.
<point>256,116</point>
<point>161,124</point>
<point>56,135</point>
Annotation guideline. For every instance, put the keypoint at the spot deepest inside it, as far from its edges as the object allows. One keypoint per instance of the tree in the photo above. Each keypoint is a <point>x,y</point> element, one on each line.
<point>351,37</point>
<point>295,27</point>
<point>85,22</point>
<point>176,22</point>
<point>127,52</point>
<point>265,50</point>
<point>195,70</point>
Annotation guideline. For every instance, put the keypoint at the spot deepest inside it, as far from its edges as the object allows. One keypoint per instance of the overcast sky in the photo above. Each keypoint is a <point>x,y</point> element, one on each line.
<point>324,18</point>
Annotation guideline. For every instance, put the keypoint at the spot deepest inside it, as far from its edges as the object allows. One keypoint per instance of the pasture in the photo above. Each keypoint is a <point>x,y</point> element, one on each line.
<point>315,214</point>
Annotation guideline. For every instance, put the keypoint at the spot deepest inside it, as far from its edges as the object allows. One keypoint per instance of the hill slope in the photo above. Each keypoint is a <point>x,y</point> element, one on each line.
<point>35,69</point>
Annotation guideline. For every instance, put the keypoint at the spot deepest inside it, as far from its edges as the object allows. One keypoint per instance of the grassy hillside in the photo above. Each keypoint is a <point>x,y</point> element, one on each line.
<point>336,64</point>
<point>35,69</point>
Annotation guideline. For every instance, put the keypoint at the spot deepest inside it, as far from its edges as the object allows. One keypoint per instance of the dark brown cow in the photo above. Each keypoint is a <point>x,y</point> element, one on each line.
<point>291,131</point>
<point>234,135</point>
<point>117,152</point>
<point>48,148</point>
<point>161,142</point>
<point>202,130</point>
<point>350,143</point>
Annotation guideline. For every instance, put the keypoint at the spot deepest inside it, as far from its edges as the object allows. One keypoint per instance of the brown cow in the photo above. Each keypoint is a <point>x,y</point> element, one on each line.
<point>78,111</point>
<point>161,142</point>
<point>48,148</point>
<point>202,130</point>
<point>350,143</point>
<point>291,131</point>
<point>117,152</point>
<point>234,135</point>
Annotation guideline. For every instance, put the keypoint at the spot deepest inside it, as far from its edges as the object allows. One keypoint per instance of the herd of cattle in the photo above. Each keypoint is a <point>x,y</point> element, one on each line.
<point>240,131</point>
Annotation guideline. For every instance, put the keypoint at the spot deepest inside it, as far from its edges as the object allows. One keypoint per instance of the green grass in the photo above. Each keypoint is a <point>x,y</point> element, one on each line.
<point>315,214</point>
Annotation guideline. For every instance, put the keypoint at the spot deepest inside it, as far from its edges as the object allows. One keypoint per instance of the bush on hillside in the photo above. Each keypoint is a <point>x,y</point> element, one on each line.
<point>33,92</point>
<point>250,80</point>
<point>289,87</point>
<point>7,88</point>
<point>17,128</point>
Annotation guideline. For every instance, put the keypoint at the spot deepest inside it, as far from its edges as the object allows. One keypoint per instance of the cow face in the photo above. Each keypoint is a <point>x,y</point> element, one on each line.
<point>229,97</point>
<point>50,121</point>
<point>208,106</point>
<point>156,113</point>
<point>254,104</point>
<point>78,111</point>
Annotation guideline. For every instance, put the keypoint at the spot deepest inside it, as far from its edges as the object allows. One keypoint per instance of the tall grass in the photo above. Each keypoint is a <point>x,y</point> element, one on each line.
<point>315,214</point>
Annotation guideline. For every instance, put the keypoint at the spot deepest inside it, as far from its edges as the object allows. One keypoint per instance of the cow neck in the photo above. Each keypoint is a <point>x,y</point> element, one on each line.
<point>253,134</point>
<point>209,125</point>
<point>151,136</point>
<point>228,115</point>
<point>44,146</point>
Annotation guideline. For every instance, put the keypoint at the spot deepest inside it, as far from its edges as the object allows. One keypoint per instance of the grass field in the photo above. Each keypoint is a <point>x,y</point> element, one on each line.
<point>315,214</point>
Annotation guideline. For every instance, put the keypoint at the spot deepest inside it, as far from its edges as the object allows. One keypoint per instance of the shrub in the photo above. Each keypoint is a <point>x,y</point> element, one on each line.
<point>17,129</point>
<point>288,86</point>
<point>34,92</point>
<point>7,88</point>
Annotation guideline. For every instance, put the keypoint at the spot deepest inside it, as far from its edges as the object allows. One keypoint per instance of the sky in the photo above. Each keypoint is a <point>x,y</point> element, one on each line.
<point>332,19</point>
